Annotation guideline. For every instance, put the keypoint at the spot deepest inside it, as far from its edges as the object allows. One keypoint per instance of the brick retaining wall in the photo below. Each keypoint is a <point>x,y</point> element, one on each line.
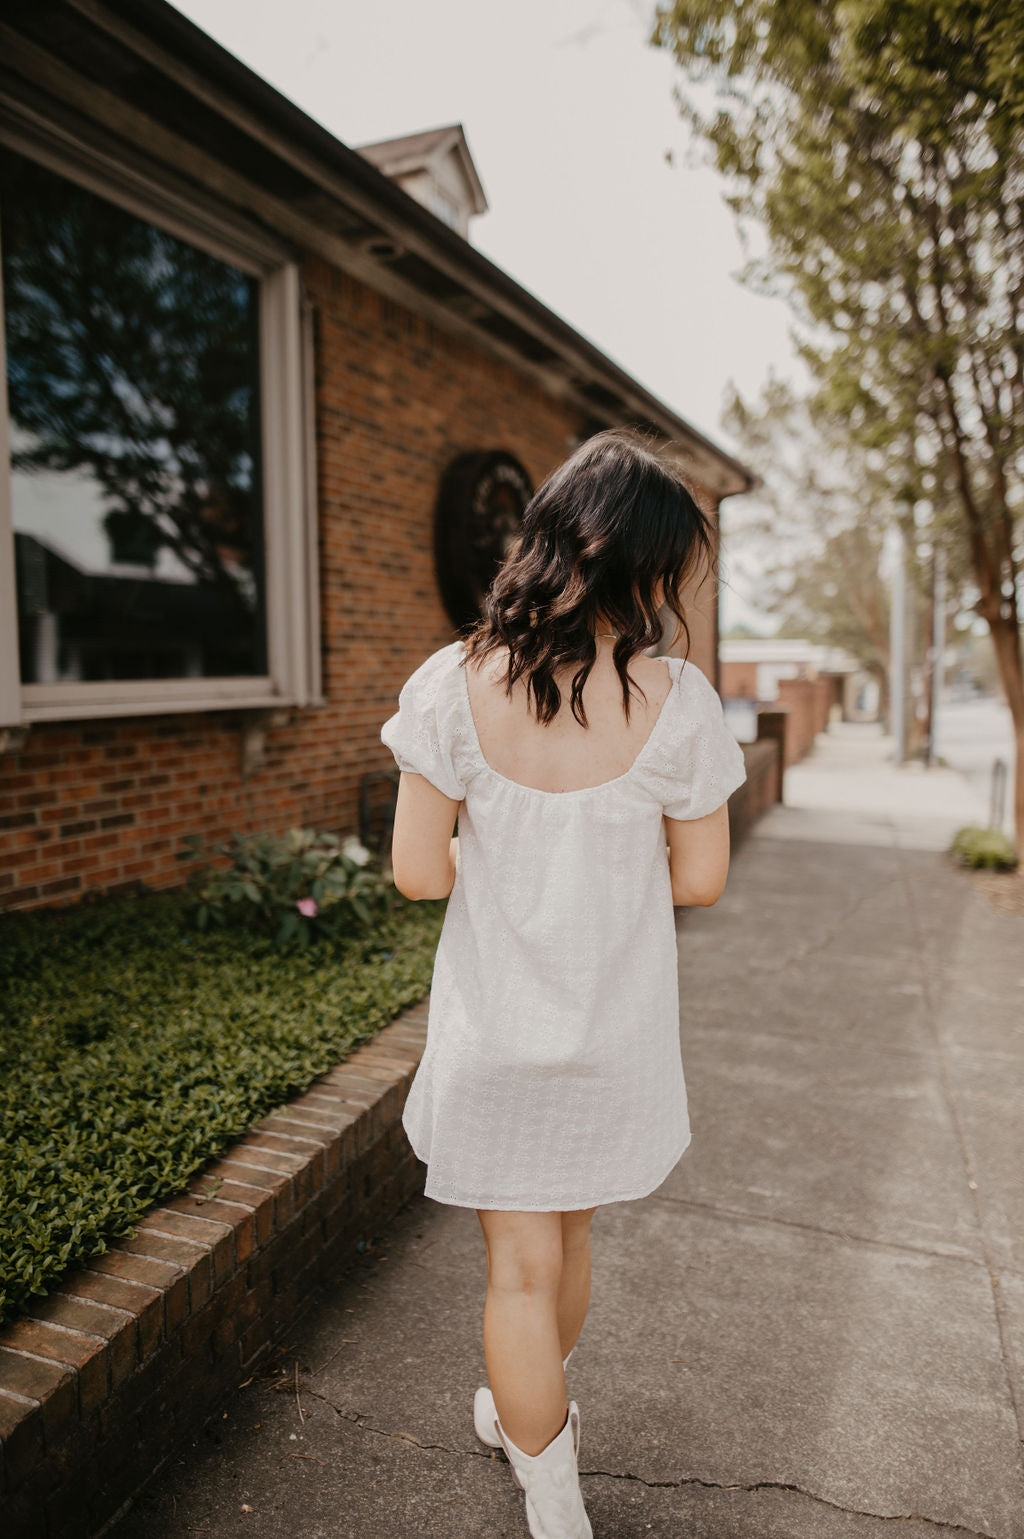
<point>808,702</point>
<point>759,791</point>
<point>108,1373</point>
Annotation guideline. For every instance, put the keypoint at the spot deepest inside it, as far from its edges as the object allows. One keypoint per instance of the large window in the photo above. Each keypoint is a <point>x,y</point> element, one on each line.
<point>156,522</point>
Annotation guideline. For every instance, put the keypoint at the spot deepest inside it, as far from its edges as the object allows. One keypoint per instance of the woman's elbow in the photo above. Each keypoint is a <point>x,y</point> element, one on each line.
<point>415,887</point>
<point>410,889</point>
<point>695,899</point>
<point>703,893</point>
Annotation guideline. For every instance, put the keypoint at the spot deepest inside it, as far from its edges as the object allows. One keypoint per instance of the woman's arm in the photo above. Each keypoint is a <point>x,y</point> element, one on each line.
<point>698,857</point>
<point>423,851</point>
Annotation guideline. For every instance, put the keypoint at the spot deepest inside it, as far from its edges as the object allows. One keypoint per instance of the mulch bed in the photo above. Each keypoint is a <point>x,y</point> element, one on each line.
<point>1003,889</point>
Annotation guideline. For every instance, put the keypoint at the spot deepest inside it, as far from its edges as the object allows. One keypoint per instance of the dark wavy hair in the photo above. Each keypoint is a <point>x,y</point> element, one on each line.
<point>614,521</point>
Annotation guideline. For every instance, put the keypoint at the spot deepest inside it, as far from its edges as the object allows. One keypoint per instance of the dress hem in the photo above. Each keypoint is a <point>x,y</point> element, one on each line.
<point>552,1206</point>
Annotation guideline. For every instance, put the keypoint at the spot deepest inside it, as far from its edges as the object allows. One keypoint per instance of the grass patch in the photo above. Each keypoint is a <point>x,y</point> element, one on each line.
<point>983,849</point>
<point>134,1049</point>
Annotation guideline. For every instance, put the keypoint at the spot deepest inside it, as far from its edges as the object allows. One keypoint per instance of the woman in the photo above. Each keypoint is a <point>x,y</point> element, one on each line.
<point>552,1079</point>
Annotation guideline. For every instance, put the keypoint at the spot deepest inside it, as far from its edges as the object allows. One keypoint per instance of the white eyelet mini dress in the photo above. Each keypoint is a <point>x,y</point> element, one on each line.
<point>552,1075</point>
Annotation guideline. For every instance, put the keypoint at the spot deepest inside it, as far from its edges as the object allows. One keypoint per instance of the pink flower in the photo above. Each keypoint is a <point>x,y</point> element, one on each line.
<point>307,906</point>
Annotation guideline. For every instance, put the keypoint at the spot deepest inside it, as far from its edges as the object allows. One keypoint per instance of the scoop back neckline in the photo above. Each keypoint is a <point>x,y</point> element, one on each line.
<point>602,785</point>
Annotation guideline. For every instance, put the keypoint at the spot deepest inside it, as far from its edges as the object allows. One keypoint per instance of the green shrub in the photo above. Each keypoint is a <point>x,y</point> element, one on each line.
<point>134,1049</point>
<point>296,886</point>
<point>983,849</point>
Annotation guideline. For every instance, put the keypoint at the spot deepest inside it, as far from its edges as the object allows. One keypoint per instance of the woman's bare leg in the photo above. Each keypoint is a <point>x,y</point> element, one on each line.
<point>574,1290</point>
<point>521,1324</point>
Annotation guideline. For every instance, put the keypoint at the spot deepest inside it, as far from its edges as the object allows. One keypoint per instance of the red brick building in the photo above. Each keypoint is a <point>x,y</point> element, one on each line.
<point>270,423</point>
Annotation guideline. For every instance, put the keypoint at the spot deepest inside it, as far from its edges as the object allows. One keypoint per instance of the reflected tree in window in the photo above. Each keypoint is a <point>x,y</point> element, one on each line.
<point>133,366</point>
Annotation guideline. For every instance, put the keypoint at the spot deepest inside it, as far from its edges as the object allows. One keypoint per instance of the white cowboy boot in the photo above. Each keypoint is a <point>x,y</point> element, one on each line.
<point>550,1479</point>
<point>485,1415</point>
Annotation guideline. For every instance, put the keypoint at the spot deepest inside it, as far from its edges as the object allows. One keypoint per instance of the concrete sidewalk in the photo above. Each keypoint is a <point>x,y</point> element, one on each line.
<point>814,1327</point>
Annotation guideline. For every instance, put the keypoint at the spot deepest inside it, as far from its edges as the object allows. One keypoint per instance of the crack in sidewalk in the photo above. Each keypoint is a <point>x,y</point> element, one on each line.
<point>721,1210</point>
<point>357,1419</point>
<point>782,1485</point>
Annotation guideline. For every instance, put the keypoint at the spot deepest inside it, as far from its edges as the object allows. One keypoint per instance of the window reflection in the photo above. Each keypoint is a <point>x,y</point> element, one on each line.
<point>132,373</point>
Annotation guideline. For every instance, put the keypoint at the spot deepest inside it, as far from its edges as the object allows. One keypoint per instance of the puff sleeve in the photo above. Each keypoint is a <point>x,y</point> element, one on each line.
<point>700,763</point>
<point>422,734</point>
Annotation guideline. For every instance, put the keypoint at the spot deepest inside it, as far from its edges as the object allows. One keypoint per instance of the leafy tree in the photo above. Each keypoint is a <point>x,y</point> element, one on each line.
<point>818,525</point>
<point>879,144</point>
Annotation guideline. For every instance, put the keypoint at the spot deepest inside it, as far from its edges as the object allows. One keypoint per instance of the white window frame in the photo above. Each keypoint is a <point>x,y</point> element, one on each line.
<point>287,436</point>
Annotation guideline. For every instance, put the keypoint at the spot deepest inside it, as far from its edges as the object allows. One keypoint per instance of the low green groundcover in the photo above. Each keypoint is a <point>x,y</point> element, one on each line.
<point>984,849</point>
<point>134,1049</point>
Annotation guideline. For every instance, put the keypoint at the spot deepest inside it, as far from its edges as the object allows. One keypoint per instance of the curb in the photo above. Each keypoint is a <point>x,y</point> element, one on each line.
<point>106,1375</point>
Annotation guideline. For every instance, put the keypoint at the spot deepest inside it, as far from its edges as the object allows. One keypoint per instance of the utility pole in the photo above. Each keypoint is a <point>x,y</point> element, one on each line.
<point>897,648</point>
<point>938,648</point>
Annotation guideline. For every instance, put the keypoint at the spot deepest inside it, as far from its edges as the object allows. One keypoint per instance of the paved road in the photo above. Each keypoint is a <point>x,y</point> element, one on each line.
<point>814,1328</point>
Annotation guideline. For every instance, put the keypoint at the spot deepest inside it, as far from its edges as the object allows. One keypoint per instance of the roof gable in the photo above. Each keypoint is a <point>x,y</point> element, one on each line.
<point>435,162</point>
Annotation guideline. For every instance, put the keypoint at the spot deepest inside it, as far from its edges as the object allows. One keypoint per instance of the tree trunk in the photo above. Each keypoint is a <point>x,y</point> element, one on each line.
<point>882,676</point>
<point>1006,644</point>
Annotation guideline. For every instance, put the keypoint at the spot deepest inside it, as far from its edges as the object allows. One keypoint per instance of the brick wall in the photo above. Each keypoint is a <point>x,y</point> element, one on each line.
<point>760,790</point>
<point>738,681</point>
<point>101,805</point>
<point>807,702</point>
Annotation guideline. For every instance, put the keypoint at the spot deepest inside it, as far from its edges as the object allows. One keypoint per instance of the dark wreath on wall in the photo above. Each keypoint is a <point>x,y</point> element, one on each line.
<point>478,517</point>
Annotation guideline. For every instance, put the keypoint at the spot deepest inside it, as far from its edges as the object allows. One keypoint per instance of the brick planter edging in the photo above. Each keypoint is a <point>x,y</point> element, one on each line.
<point>106,1375</point>
<point>761,789</point>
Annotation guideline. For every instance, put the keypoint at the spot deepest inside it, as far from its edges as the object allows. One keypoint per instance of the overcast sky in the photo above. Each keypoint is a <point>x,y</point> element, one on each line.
<point>569,115</point>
